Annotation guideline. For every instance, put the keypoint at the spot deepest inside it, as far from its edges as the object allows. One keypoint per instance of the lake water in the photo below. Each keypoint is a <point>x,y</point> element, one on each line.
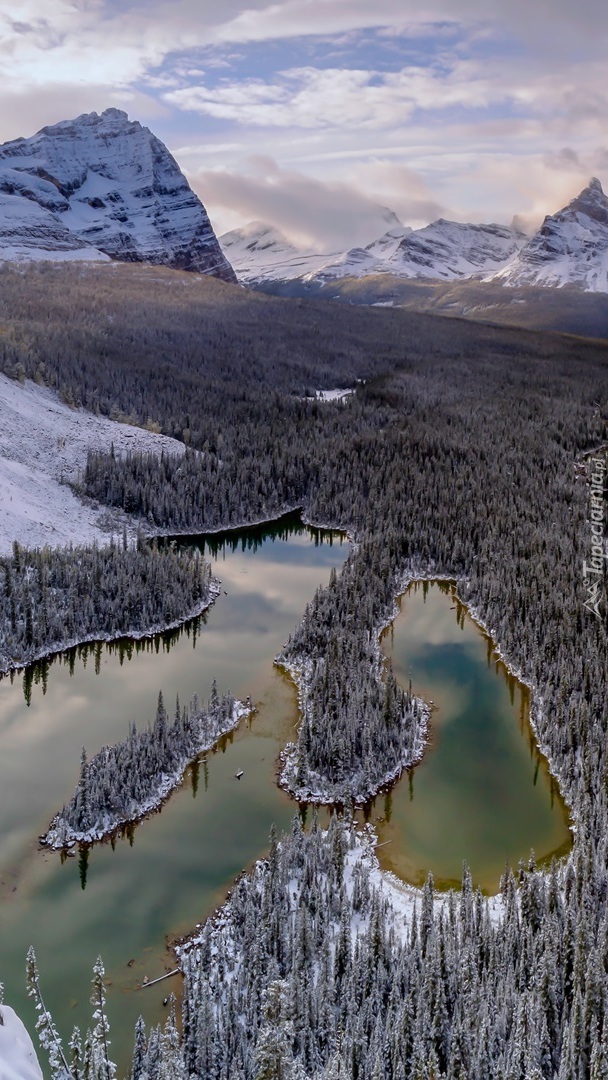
<point>181,861</point>
<point>482,792</point>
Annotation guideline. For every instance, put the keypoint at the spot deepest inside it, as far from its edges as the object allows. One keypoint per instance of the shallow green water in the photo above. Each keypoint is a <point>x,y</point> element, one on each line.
<point>482,793</point>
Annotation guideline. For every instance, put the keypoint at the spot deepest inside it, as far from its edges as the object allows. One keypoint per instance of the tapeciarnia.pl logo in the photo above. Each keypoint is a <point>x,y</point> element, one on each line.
<point>594,569</point>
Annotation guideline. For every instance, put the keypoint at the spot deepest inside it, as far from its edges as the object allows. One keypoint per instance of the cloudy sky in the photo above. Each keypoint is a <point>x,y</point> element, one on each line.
<point>314,114</point>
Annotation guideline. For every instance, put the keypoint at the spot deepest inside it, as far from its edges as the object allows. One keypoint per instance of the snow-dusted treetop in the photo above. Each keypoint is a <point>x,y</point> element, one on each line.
<point>99,186</point>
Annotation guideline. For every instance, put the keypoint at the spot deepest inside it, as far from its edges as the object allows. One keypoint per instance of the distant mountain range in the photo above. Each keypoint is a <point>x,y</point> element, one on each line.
<point>570,248</point>
<point>443,251</point>
<point>102,187</point>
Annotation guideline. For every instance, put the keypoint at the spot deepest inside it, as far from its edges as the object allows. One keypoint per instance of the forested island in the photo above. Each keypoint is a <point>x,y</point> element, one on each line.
<point>348,746</point>
<point>123,783</point>
<point>462,455</point>
<point>52,598</point>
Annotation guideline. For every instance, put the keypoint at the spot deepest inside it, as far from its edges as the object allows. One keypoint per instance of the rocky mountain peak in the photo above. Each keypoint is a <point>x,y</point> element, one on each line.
<point>592,202</point>
<point>570,248</point>
<point>115,188</point>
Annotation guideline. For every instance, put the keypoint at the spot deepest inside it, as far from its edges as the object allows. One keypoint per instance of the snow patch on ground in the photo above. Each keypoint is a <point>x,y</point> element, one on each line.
<point>406,899</point>
<point>18,1059</point>
<point>333,395</point>
<point>43,448</point>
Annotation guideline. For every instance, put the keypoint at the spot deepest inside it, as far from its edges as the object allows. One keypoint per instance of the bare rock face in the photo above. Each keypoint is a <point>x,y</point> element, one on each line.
<point>570,248</point>
<point>105,187</point>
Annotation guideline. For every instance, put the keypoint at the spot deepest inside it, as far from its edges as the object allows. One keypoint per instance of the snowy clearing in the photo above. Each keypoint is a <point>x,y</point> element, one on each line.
<point>406,899</point>
<point>330,395</point>
<point>43,447</point>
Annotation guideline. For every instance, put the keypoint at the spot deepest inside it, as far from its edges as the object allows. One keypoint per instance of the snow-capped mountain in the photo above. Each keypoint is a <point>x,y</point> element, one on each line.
<point>103,184</point>
<point>386,246</point>
<point>445,250</point>
<point>262,253</point>
<point>448,250</point>
<point>570,248</point>
<point>374,258</point>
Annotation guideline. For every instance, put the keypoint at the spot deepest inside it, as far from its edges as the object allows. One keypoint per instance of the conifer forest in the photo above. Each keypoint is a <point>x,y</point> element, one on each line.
<point>466,451</point>
<point>54,597</point>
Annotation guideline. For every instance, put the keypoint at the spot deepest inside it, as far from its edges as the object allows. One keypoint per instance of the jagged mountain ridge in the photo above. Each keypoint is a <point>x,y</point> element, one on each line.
<point>451,249</point>
<point>444,250</point>
<point>570,248</point>
<point>261,252</point>
<point>103,186</point>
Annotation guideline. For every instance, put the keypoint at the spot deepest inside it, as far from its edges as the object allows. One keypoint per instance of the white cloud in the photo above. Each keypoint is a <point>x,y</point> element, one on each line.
<point>328,216</point>
<point>310,97</point>
<point>548,26</point>
<point>26,111</point>
<point>362,135</point>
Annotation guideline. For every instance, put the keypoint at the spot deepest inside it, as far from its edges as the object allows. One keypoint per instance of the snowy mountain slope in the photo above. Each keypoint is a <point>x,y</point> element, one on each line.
<point>113,187</point>
<point>29,231</point>
<point>570,248</point>
<point>44,443</point>
<point>360,261</point>
<point>445,250</point>
<point>386,246</point>
<point>261,252</point>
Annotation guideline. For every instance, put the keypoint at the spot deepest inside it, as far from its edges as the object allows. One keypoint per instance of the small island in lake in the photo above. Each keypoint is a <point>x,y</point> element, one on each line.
<point>124,782</point>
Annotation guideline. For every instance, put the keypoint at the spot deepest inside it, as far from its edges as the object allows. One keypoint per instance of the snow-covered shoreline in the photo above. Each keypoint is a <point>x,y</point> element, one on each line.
<point>405,900</point>
<point>216,530</point>
<point>410,578</point>
<point>536,701</point>
<point>300,672</point>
